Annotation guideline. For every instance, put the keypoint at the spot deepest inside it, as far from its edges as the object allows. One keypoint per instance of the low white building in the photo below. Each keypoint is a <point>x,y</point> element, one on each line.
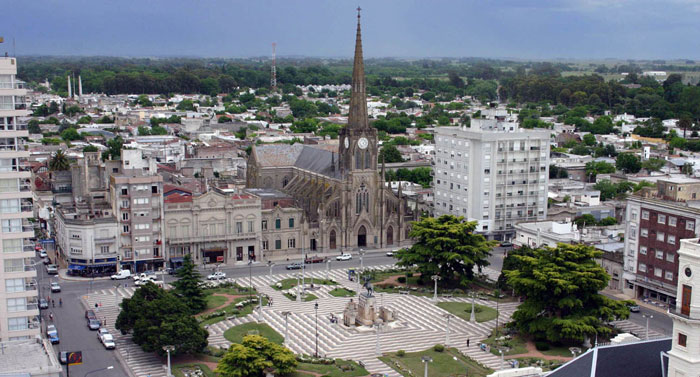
<point>88,241</point>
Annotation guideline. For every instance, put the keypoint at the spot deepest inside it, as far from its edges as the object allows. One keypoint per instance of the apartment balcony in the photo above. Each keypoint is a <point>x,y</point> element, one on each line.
<point>99,240</point>
<point>212,238</point>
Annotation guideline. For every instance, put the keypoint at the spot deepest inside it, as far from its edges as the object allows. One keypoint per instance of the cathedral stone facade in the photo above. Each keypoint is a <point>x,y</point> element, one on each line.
<point>345,202</point>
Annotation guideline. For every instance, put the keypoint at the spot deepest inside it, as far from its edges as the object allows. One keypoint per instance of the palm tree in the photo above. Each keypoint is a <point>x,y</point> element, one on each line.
<point>59,162</point>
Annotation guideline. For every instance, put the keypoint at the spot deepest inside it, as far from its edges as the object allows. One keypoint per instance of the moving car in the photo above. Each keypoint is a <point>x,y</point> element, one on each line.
<point>43,304</point>
<point>108,341</point>
<point>315,259</point>
<point>90,314</point>
<point>634,308</point>
<point>55,287</point>
<point>47,260</point>
<point>94,324</point>
<point>217,275</point>
<point>506,244</point>
<point>43,253</point>
<point>173,271</point>
<point>52,334</point>
<point>63,357</point>
<point>391,253</point>
<point>343,256</point>
<point>52,269</point>
<point>146,279</point>
<point>294,266</point>
<point>123,274</point>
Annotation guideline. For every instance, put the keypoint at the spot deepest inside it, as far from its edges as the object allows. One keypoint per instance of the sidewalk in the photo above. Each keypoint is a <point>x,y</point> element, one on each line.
<point>63,275</point>
<point>621,296</point>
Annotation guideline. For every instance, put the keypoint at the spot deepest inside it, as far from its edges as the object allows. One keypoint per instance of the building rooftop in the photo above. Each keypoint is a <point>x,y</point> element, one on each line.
<point>267,193</point>
<point>27,357</point>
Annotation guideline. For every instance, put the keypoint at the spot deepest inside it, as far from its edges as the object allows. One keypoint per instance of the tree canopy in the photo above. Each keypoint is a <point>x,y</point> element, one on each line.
<point>253,356</point>
<point>59,161</point>
<point>561,301</point>
<point>628,162</point>
<point>446,246</point>
<point>188,287</point>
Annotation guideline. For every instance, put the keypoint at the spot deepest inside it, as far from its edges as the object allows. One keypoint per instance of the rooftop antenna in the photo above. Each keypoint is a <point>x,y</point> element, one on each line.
<point>273,69</point>
<point>14,47</point>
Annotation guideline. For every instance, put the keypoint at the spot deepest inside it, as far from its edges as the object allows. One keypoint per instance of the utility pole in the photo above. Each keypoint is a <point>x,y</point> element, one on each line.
<point>273,69</point>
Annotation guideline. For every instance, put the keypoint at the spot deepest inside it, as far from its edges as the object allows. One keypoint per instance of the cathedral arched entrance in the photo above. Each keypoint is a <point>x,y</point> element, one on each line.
<point>332,240</point>
<point>390,235</point>
<point>362,237</point>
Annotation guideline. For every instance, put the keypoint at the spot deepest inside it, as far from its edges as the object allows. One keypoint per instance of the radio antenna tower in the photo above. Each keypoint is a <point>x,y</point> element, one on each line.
<point>273,69</point>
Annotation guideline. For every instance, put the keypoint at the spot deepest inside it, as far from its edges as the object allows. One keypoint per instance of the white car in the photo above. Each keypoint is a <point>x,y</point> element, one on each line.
<point>343,257</point>
<point>217,276</point>
<point>55,287</point>
<point>108,341</point>
<point>144,280</point>
<point>392,252</point>
<point>43,254</point>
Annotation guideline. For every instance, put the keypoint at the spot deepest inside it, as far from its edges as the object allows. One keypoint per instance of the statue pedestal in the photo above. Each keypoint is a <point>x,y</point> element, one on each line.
<point>366,310</point>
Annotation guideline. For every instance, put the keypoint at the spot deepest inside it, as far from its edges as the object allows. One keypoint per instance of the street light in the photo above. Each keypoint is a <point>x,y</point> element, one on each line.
<point>299,291</point>
<point>286,327</point>
<point>98,370</point>
<point>447,329</point>
<point>501,352</point>
<point>435,279</point>
<point>270,264</point>
<point>250,279</point>
<point>362,265</point>
<point>377,348</point>
<point>648,317</point>
<point>466,367</point>
<point>316,310</point>
<point>169,349</point>
<point>328,268</point>
<point>472,316</point>
<point>426,360</point>
<point>260,297</point>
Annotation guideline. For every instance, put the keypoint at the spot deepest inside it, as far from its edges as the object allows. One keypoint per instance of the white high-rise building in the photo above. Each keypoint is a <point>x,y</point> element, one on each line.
<point>18,289</point>
<point>492,172</point>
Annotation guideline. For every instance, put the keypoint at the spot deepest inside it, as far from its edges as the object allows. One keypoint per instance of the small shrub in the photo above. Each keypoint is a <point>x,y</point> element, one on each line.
<point>409,274</point>
<point>542,346</point>
<point>457,291</point>
<point>439,348</point>
<point>400,353</point>
<point>401,279</point>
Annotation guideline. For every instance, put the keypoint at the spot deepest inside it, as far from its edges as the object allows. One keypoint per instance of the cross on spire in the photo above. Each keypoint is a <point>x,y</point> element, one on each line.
<point>358,11</point>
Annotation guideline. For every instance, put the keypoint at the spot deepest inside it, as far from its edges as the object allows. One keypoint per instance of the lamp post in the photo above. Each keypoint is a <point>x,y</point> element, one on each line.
<point>435,279</point>
<point>169,349</point>
<point>328,268</point>
<point>303,270</point>
<point>466,367</point>
<point>270,264</point>
<point>426,360</point>
<point>447,329</point>
<point>501,352</point>
<point>98,370</point>
<point>359,275</point>
<point>260,307</point>
<point>377,347</point>
<point>362,254</point>
<point>316,312</point>
<point>472,316</point>
<point>250,279</point>
<point>116,296</point>
<point>648,317</point>
<point>286,327</point>
<point>299,291</point>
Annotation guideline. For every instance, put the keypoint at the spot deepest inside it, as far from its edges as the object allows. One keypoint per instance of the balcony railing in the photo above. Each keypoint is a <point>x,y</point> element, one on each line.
<point>59,190</point>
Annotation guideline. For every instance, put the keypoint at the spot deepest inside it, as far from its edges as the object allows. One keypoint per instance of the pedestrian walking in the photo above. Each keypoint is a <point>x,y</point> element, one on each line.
<point>53,303</point>
<point>60,302</point>
<point>467,342</point>
<point>51,317</point>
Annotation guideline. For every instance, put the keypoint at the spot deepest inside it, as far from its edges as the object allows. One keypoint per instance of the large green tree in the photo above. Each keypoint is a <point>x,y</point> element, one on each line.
<point>158,318</point>
<point>628,162</point>
<point>561,301</point>
<point>389,154</point>
<point>253,356</point>
<point>593,168</point>
<point>59,161</point>
<point>188,286</point>
<point>446,246</point>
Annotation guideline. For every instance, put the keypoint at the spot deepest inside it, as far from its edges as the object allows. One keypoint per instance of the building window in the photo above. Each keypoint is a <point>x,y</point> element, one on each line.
<point>669,275</point>
<point>642,267</point>
<point>125,191</point>
<point>141,201</point>
<point>154,189</point>
<point>690,225</point>
<point>264,245</point>
<point>239,253</point>
<point>659,254</point>
<point>278,223</point>
<point>13,245</point>
<point>682,339</point>
<point>645,215</point>
<point>291,243</point>
<point>660,236</point>
<point>670,257</point>
<point>672,221</point>
<point>125,216</point>
<point>251,227</point>
<point>263,225</point>
<point>126,229</point>
<point>671,239</point>
<point>16,304</point>
<point>278,244</point>
<point>643,250</point>
<point>644,232</point>
<point>662,219</point>
<point>658,272</point>
<point>633,233</point>
<point>104,249</point>
<point>17,324</point>
<point>291,222</point>
<point>239,227</point>
<point>14,285</point>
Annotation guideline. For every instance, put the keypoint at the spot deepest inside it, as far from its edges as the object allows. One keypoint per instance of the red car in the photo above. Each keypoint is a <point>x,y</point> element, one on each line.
<point>314,260</point>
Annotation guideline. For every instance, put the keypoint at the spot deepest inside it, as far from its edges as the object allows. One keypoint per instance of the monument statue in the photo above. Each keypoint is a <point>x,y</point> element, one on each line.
<point>368,286</point>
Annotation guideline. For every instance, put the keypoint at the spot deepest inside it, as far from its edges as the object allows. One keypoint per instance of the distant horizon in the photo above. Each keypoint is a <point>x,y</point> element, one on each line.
<point>529,30</point>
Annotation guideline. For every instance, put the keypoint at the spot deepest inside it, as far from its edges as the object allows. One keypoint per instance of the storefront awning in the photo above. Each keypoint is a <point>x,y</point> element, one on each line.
<point>177,260</point>
<point>104,265</point>
<point>76,267</point>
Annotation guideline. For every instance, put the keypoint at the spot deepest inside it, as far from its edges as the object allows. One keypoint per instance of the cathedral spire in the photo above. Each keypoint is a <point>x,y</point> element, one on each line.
<point>358,100</point>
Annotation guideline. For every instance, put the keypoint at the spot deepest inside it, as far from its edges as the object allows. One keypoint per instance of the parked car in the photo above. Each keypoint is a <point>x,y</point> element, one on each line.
<point>147,279</point>
<point>173,271</point>
<point>217,275</point>
<point>55,287</point>
<point>43,304</point>
<point>101,331</point>
<point>506,244</point>
<point>90,314</point>
<point>634,308</point>
<point>52,269</point>
<point>295,266</point>
<point>47,260</point>
<point>108,341</point>
<point>123,274</point>
<point>343,256</point>
<point>391,253</point>
<point>52,334</point>
<point>315,259</point>
<point>43,253</point>
<point>63,357</point>
<point>94,324</point>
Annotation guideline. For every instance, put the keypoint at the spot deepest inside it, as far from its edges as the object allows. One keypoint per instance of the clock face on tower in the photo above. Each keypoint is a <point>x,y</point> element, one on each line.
<point>347,143</point>
<point>362,143</point>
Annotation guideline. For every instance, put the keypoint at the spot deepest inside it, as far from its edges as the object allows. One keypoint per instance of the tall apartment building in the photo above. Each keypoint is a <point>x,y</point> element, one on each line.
<point>137,202</point>
<point>656,222</point>
<point>492,172</point>
<point>18,288</point>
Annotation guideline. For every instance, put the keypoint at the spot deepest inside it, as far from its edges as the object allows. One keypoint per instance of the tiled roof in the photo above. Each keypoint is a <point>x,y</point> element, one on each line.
<point>177,198</point>
<point>277,154</point>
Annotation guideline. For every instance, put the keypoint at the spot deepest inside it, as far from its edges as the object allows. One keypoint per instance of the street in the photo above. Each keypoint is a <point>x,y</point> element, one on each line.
<point>72,329</point>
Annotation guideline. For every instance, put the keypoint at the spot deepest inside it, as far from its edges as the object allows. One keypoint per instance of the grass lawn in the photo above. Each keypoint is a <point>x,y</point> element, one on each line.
<point>230,310</point>
<point>305,298</point>
<point>342,292</point>
<point>215,301</point>
<point>228,290</point>
<point>330,370</point>
<point>177,369</point>
<point>516,345</point>
<point>463,310</point>
<point>290,283</point>
<point>558,351</point>
<point>443,364</point>
<point>236,333</point>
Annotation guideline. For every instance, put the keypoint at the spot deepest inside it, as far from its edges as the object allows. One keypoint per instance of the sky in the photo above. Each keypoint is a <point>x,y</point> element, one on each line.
<point>522,29</point>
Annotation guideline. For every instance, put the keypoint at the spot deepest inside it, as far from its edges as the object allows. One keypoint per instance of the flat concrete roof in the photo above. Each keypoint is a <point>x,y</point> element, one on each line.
<point>27,356</point>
